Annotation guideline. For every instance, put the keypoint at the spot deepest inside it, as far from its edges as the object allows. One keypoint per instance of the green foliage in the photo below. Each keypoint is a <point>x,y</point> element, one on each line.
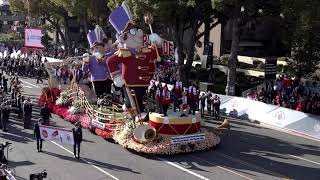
<point>303,17</point>
<point>9,37</point>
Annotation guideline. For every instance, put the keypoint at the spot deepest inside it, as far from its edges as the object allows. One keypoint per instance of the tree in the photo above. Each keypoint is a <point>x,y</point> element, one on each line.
<point>178,20</point>
<point>243,14</point>
<point>303,17</point>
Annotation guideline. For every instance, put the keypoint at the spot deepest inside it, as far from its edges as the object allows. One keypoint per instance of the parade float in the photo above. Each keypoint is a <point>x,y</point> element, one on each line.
<point>134,124</point>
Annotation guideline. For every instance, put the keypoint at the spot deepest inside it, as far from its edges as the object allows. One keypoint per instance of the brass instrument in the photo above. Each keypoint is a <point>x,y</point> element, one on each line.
<point>225,125</point>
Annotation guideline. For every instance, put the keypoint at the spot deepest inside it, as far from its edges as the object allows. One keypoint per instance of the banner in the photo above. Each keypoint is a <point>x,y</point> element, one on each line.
<point>97,124</point>
<point>167,46</point>
<point>188,138</point>
<point>32,38</point>
<point>49,133</point>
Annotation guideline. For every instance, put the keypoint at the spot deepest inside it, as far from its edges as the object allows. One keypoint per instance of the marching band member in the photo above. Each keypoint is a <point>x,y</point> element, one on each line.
<point>158,97</point>
<point>165,99</point>
<point>184,107</point>
<point>192,95</point>
<point>178,89</point>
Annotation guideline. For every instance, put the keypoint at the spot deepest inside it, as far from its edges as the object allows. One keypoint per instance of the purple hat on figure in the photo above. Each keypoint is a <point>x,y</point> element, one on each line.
<point>121,18</point>
<point>97,36</point>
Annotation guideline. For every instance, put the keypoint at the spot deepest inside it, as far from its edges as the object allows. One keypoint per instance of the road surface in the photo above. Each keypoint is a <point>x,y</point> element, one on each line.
<point>246,151</point>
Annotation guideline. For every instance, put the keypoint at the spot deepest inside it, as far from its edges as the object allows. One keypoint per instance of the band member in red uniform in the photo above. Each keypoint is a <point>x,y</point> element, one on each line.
<point>138,62</point>
<point>178,89</point>
<point>192,95</point>
<point>165,99</point>
<point>158,97</point>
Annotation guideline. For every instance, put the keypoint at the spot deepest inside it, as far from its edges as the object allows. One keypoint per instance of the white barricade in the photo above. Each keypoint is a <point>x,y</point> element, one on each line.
<point>273,115</point>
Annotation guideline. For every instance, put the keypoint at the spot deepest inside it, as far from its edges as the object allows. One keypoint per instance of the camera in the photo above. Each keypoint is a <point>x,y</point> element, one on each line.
<point>38,176</point>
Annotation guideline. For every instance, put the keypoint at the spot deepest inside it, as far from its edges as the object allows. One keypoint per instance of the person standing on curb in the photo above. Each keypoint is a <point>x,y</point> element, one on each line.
<point>77,136</point>
<point>37,135</point>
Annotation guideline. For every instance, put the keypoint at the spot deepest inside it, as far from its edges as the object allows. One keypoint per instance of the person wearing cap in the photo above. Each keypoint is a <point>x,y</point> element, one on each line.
<point>36,134</point>
<point>138,61</point>
<point>77,136</point>
<point>95,64</point>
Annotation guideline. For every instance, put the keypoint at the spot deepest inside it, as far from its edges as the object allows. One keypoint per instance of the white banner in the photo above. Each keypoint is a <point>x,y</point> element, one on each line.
<point>49,133</point>
<point>97,124</point>
<point>188,138</point>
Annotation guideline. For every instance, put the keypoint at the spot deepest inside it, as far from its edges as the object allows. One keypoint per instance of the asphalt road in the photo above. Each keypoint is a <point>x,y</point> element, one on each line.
<point>246,151</point>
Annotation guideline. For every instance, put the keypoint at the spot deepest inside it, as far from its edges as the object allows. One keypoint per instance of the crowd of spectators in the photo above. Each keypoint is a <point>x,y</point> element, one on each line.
<point>289,93</point>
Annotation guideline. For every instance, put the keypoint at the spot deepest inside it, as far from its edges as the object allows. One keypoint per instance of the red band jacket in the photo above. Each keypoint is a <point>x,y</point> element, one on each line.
<point>137,69</point>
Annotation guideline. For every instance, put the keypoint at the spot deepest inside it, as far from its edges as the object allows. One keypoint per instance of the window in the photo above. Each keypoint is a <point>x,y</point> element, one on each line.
<point>5,22</point>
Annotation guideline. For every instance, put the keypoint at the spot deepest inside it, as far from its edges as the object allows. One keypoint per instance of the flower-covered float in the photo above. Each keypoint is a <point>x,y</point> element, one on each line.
<point>138,124</point>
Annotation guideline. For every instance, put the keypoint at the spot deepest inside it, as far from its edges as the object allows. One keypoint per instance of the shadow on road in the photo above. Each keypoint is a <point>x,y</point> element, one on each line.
<point>246,149</point>
<point>93,162</point>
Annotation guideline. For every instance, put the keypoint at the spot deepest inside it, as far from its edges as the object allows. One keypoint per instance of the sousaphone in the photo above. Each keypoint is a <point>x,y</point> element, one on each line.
<point>144,133</point>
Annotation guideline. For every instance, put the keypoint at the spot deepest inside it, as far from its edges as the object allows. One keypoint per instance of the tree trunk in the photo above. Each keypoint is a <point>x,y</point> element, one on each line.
<point>85,20</point>
<point>58,28</point>
<point>179,33</point>
<point>67,34</point>
<point>232,61</point>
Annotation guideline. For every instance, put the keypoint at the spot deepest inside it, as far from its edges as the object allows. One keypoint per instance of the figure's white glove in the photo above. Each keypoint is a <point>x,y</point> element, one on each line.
<point>118,81</point>
<point>155,39</point>
<point>86,58</point>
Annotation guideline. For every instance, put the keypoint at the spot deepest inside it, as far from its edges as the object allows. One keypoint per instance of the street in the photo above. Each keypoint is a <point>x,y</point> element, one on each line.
<point>246,151</point>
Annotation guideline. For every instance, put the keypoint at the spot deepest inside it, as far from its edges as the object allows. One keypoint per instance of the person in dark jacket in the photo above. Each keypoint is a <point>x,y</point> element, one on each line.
<point>5,84</point>
<point>19,101</point>
<point>45,114</point>
<point>5,111</point>
<point>36,134</point>
<point>39,74</point>
<point>27,110</point>
<point>202,104</point>
<point>77,135</point>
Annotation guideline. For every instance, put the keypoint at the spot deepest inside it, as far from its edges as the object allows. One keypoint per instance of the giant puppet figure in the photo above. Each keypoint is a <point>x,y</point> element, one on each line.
<point>95,64</point>
<point>138,62</point>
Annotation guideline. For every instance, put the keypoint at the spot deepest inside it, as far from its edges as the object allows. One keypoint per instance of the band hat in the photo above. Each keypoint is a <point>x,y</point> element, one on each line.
<point>121,18</point>
<point>96,37</point>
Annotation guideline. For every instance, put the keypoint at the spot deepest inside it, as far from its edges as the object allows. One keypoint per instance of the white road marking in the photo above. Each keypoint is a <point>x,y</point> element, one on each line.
<point>90,163</point>
<point>29,83</point>
<point>184,169</point>
<point>223,168</point>
<point>304,159</point>
<point>27,86</point>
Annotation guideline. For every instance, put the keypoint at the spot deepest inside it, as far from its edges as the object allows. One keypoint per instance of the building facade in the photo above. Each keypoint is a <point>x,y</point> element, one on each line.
<point>260,40</point>
<point>10,21</point>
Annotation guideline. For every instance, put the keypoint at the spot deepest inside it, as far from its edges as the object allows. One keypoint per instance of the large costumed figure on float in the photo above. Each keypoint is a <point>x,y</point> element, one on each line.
<point>138,62</point>
<point>95,64</point>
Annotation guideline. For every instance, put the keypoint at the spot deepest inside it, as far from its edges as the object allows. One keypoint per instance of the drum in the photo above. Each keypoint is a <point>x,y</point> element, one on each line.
<point>174,125</point>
